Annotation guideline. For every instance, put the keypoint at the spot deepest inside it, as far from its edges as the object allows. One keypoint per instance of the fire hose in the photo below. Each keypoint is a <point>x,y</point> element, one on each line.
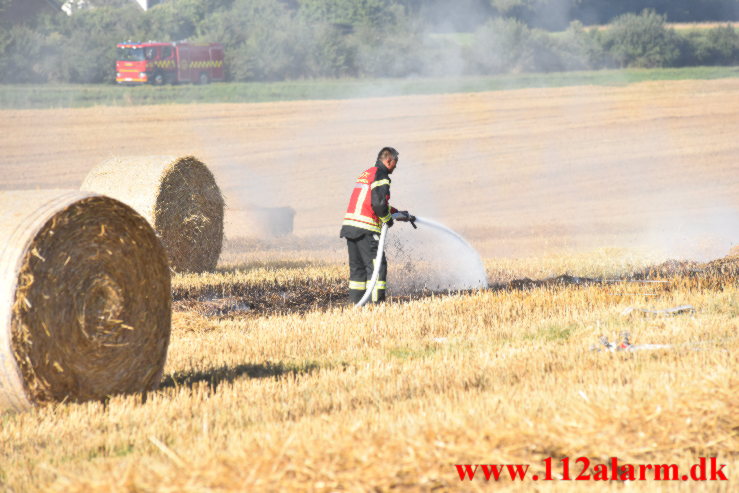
<point>378,259</point>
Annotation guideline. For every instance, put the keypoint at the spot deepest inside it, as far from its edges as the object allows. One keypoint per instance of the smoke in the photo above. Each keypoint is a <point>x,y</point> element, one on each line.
<point>460,16</point>
<point>600,175</point>
<point>552,168</point>
<point>501,163</point>
<point>695,234</point>
<point>432,257</point>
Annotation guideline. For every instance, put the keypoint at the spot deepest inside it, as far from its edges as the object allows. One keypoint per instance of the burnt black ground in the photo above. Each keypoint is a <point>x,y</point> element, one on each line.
<point>303,295</point>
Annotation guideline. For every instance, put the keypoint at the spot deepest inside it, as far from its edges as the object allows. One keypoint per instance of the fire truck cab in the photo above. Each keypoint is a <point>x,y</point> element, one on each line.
<point>173,63</point>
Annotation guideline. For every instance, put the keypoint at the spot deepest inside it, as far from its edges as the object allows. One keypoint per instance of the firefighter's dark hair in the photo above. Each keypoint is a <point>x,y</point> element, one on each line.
<point>387,152</point>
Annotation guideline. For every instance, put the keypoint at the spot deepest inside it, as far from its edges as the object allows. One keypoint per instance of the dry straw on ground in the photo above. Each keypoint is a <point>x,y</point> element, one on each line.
<point>178,196</point>
<point>392,397</point>
<point>84,299</point>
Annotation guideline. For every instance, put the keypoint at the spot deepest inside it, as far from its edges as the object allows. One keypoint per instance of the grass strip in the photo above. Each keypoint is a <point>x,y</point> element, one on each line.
<point>30,96</point>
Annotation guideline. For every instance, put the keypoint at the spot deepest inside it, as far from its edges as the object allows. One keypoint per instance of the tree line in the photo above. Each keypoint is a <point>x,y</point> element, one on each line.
<point>268,40</point>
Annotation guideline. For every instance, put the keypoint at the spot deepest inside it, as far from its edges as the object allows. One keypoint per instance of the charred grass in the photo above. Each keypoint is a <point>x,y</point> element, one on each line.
<point>299,287</point>
<point>317,396</point>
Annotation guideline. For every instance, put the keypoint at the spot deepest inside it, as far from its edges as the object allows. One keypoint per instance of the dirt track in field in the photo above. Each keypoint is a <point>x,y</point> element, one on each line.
<point>519,172</point>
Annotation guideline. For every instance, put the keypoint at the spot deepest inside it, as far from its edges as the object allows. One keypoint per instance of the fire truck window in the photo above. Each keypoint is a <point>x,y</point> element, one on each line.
<point>166,52</point>
<point>151,53</point>
<point>130,54</point>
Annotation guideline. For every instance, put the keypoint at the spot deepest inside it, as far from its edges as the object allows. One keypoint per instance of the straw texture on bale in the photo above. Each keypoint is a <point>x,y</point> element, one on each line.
<point>178,196</point>
<point>85,299</point>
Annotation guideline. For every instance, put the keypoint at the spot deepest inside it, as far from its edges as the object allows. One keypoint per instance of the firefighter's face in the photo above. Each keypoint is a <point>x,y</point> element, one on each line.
<point>390,164</point>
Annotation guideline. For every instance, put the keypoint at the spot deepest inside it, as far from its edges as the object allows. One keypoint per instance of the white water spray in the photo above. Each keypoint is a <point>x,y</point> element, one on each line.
<point>433,257</point>
<point>453,234</point>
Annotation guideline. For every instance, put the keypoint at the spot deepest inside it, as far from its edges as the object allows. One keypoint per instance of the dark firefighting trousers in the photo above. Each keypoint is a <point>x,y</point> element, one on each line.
<point>362,255</point>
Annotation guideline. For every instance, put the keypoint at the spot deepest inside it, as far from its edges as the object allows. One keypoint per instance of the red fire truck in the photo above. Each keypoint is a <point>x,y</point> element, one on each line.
<point>173,63</point>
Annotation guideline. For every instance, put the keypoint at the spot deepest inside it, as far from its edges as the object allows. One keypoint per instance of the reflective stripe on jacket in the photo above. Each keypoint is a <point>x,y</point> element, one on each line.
<point>369,204</point>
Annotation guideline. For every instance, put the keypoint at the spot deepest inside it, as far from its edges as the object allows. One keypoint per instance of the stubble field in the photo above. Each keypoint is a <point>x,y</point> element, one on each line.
<point>274,383</point>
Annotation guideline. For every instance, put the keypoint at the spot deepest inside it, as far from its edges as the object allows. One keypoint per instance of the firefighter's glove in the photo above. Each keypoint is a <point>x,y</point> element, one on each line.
<point>390,223</point>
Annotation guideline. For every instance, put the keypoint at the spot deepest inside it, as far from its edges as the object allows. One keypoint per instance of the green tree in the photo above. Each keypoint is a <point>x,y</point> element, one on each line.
<point>717,46</point>
<point>330,52</point>
<point>372,13</point>
<point>501,46</point>
<point>552,15</point>
<point>260,40</point>
<point>642,41</point>
<point>724,42</point>
<point>176,20</point>
<point>89,41</point>
<point>571,50</point>
<point>21,56</point>
<point>585,47</point>
<point>390,50</point>
<point>3,6</point>
<point>5,38</point>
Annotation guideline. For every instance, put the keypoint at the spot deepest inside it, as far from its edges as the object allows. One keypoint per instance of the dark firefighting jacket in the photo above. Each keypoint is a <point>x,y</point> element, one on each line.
<point>369,205</point>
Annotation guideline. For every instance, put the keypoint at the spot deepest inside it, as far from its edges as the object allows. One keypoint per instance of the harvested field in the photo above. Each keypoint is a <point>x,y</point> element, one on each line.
<point>518,172</point>
<point>574,197</point>
<point>331,399</point>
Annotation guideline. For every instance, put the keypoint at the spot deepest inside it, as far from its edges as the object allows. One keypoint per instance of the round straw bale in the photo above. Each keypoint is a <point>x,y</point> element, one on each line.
<point>178,196</point>
<point>85,300</point>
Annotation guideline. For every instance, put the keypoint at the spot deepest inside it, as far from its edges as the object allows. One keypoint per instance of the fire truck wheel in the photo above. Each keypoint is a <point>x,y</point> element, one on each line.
<point>204,79</point>
<point>158,79</point>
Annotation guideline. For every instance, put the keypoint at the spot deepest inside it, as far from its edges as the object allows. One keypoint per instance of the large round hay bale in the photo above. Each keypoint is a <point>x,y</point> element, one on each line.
<point>85,300</point>
<point>178,196</point>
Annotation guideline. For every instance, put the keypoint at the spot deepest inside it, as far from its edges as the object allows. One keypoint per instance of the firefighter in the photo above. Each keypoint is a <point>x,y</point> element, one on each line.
<point>368,210</point>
